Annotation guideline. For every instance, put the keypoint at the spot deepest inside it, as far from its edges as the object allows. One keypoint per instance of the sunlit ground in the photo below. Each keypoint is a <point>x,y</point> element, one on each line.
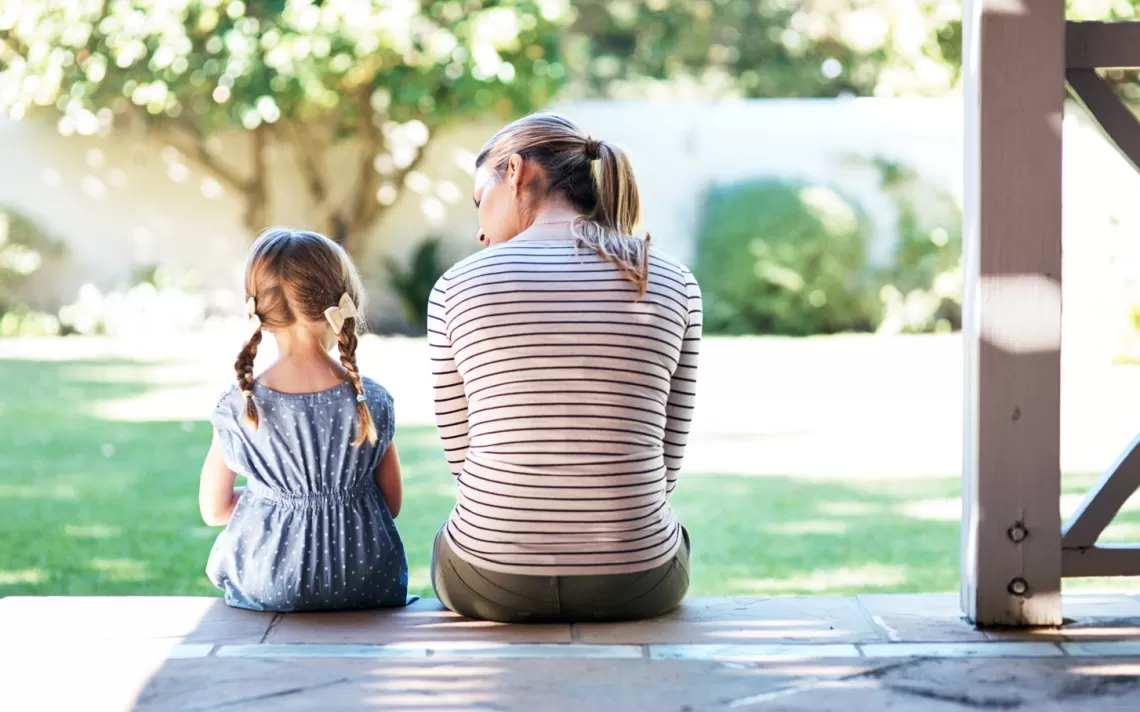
<point>99,498</point>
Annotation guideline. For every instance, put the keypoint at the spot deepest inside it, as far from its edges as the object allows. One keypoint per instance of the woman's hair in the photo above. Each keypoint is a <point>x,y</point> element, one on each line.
<point>594,176</point>
<point>295,276</point>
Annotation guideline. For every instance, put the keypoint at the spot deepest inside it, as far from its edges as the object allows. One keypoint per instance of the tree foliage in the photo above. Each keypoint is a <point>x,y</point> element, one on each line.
<point>306,74</point>
<point>767,48</point>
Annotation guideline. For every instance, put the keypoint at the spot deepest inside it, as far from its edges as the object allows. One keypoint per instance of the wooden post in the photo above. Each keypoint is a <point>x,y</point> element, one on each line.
<point>1014,64</point>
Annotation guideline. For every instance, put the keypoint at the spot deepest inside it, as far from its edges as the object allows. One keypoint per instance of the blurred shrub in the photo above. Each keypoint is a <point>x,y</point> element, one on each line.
<point>921,288</point>
<point>784,258</point>
<point>159,301</point>
<point>413,284</point>
<point>24,247</point>
<point>22,321</point>
<point>790,258</point>
<point>86,315</point>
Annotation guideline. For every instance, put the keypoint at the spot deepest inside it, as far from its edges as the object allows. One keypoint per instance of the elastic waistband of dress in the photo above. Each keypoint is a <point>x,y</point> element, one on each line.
<point>300,501</point>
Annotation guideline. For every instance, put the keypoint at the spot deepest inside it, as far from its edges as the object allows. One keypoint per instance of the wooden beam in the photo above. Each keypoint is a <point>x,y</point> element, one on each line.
<point>1102,560</point>
<point>1104,500</point>
<point>1112,117</point>
<point>1011,524</point>
<point>1102,45</point>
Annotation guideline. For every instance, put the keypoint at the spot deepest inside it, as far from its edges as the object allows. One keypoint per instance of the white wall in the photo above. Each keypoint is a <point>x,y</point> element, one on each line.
<point>121,201</point>
<point>114,206</point>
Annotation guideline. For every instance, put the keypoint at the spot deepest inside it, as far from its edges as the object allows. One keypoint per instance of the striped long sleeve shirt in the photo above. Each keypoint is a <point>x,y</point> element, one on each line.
<point>564,404</point>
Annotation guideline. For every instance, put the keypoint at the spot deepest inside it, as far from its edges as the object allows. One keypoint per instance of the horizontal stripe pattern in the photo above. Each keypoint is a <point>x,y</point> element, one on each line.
<point>564,404</point>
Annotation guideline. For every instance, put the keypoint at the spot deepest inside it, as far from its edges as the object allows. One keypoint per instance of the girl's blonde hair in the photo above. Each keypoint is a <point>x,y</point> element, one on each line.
<point>596,177</point>
<point>293,276</point>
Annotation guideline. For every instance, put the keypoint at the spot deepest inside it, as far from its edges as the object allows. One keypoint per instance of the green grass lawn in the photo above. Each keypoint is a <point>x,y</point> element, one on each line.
<point>90,504</point>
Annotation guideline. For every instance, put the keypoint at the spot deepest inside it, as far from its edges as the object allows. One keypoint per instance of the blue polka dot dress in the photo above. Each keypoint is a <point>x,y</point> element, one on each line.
<point>312,531</point>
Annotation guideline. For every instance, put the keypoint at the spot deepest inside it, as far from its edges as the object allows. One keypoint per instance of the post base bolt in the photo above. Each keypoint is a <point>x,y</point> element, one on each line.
<point>1017,533</point>
<point>1018,587</point>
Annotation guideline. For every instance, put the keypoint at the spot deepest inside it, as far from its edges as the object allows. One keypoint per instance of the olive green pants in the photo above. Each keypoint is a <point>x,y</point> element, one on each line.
<point>475,592</point>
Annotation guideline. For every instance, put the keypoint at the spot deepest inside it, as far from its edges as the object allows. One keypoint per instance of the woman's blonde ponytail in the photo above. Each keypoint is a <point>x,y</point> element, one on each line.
<point>607,231</point>
<point>619,205</point>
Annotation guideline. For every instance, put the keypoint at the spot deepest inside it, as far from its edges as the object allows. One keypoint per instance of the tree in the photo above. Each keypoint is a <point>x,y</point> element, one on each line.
<point>766,48</point>
<point>303,74</point>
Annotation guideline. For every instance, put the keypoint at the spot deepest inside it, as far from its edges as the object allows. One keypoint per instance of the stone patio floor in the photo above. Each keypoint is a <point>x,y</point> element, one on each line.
<point>873,652</point>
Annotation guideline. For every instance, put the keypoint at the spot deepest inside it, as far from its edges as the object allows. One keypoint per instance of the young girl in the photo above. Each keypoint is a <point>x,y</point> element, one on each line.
<point>314,527</point>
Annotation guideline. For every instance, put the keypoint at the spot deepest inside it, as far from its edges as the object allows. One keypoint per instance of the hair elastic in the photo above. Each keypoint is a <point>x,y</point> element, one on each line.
<point>360,398</point>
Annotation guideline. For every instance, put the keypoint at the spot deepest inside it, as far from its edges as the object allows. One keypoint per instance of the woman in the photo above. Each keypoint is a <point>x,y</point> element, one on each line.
<point>565,359</point>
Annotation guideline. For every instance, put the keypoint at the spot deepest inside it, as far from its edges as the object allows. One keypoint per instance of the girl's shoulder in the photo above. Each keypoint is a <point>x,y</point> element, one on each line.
<point>375,392</point>
<point>383,409</point>
<point>229,406</point>
<point>228,395</point>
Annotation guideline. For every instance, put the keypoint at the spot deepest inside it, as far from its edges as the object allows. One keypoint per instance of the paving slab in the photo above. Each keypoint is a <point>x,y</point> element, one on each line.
<point>733,652</point>
<point>988,649</point>
<point>521,685</point>
<point>1101,617</point>
<point>1049,685</point>
<point>820,619</point>
<point>246,684</point>
<point>424,621</point>
<point>1103,648</point>
<point>187,619</point>
<point>437,650</point>
<point>920,618</point>
<point>796,654</point>
<point>87,675</point>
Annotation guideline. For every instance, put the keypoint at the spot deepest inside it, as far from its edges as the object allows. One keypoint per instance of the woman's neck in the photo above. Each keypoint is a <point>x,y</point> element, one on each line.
<point>555,211</point>
<point>551,220</point>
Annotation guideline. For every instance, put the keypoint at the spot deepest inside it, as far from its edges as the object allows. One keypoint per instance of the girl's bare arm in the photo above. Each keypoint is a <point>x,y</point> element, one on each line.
<point>390,480</point>
<point>217,495</point>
